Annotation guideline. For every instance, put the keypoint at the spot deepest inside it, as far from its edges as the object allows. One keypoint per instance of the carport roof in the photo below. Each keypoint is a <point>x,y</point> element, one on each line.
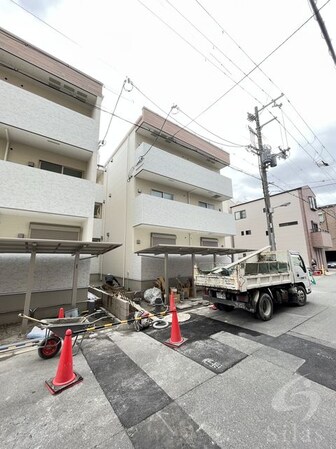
<point>184,250</point>
<point>39,246</point>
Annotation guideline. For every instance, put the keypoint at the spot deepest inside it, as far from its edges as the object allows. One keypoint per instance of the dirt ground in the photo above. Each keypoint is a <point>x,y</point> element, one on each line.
<point>10,333</point>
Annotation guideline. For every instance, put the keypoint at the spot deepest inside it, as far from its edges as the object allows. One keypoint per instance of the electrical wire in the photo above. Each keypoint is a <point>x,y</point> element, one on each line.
<point>232,144</point>
<point>223,31</point>
<point>256,65</point>
<point>115,107</point>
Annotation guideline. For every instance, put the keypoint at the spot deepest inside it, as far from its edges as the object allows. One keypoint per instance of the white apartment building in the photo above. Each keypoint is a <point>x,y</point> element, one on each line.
<point>296,225</point>
<point>49,131</point>
<point>163,187</point>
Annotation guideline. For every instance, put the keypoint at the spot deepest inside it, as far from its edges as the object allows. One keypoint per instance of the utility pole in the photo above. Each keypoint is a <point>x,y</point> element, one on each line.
<point>264,181</point>
<point>266,159</point>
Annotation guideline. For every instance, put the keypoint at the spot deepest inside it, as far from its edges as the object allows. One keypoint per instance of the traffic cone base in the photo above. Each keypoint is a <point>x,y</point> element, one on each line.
<point>54,389</point>
<point>175,344</point>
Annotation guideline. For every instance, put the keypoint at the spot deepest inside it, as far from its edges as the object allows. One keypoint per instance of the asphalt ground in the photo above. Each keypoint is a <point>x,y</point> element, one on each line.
<point>235,383</point>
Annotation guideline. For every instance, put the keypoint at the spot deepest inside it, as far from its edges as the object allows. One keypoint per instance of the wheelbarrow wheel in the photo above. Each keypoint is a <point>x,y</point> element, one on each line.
<point>49,347</point>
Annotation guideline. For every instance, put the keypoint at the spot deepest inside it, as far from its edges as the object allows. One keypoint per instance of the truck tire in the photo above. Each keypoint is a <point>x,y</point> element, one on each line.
<point>301,298</point>
<point>265,307</point>
<point>224,307</point>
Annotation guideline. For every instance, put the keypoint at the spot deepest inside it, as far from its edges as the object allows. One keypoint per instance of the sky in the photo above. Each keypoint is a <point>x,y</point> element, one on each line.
<point>192,54</point>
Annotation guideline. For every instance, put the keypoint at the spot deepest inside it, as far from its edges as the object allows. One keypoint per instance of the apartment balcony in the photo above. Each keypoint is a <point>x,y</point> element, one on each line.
<point>31,189</point>
<point>164,168</point>
<point>321,239</point>
<point>152,211</point>
<point>23,110</point>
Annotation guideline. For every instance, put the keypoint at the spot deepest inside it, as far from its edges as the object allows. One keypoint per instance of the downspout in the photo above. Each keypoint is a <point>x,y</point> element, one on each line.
<point>126,209</point>
<point>103,223</point>
<point>7,145</point>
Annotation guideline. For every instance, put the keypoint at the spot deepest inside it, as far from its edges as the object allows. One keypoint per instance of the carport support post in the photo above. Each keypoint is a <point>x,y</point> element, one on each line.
<point>75,281</point>
<point>29,288</point>
<point>166,278</point>
<point>193,277</point>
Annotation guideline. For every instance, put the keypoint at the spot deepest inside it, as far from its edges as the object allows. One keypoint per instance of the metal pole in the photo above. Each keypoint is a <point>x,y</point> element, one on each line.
<point>166,278</point>
<point>193,278</point>
<point>29,288</point>
<point>75,281</point>
<point>263,174</point>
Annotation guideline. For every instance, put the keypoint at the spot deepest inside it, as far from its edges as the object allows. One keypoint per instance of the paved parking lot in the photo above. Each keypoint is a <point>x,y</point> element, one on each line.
<point>236,383</point>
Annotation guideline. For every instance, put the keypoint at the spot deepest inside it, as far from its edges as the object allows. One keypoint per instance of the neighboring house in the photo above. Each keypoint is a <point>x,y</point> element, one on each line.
<point>296,225</point>
<point>163,187</point>
<point>327,216</point>
<point>49,130</point>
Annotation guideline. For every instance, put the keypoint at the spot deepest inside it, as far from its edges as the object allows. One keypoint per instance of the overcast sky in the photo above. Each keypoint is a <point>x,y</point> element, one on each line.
<point>190,53</point>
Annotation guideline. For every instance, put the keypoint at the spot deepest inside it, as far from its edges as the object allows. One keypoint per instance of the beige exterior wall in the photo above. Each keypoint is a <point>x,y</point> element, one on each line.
<point>295,237</point>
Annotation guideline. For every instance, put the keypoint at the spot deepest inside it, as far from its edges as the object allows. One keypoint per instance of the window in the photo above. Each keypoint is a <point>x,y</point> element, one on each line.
<point>162,239</point>
<point>54,231</point>
<point>288,223</point>
<point>206,205</point>
<point>240,214</point>
<point>96,239</point>
<point>165,195</point>
<point>98,207</point>
<point>298,261</point>
<point>56,168</point>
<point>312,202</point>
<point>205,241</point>
<point>242,232</point>
<point>314,226</point>
<point>248,232</point>
<point>266,232</point>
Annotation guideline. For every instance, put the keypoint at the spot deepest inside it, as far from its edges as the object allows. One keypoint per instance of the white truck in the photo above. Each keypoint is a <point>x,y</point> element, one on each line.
<point>257,282</point>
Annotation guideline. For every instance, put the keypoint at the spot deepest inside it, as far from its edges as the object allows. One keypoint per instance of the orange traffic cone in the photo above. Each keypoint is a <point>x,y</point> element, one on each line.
<point>61,313</point>
<point>65,376</point>
<point>175,337</point>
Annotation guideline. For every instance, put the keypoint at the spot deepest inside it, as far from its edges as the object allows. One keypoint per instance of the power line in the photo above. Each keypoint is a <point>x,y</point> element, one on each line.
<point>262,71</point>
<point>233,144</point>
<point>256,65</point>
<point>68,38</point>
<point>112,114</point>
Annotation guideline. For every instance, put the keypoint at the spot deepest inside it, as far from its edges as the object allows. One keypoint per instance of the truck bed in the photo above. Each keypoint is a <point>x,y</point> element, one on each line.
<point>248,276</point>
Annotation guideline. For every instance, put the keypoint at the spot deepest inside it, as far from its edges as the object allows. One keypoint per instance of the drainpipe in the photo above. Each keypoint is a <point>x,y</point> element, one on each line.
<point>7,145</point>
<point>126,210</point>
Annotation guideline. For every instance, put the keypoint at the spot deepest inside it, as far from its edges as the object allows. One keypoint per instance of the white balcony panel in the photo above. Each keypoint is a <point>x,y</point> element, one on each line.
<point>152,211</point>
<point>99,193</point>
<point>32,189</point>
<point>25,110</point>
<point>161,166</point>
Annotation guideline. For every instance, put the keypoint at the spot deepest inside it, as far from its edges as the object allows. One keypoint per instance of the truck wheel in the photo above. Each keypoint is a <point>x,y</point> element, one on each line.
<point>301,298</point>
<point>224,307</point>
<point>265,307</point>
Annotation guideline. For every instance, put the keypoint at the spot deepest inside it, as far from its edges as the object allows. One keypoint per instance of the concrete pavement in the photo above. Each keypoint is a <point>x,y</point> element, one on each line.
<point>236,383</point>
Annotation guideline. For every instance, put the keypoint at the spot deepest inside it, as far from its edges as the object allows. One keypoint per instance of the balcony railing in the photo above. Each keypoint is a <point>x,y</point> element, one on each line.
<point>160,166</point>
<point>31,189</point>
<point>25,110</point>
<point>152,211</point>
<point>321,239</point>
